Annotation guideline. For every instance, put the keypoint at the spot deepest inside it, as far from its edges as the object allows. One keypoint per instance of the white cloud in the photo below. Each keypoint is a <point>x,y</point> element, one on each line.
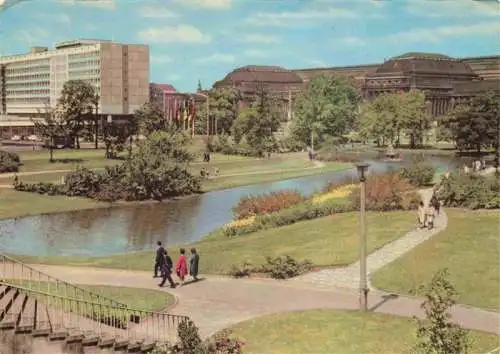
<point>350,41</point>
<point>255,53</point>
<point>453,8</point>
<point>319,63</point>
<point>289,18</point>
<point>217,58</point>
<point>156,12</point>
<point>32,37</point>
<point>103,4</point>
<point>207,4</point>
<point>436,34</point>
<point>174,34</point>
<point>260,38</point>
<point>160,59</point>
<point>58,18</point>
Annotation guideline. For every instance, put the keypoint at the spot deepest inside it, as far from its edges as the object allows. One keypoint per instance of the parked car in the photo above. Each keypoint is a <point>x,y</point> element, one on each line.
<point>33,137</point>
<point>15,138</point>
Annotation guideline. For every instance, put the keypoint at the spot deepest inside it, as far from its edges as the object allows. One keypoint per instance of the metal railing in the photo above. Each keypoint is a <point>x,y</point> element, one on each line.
<point>17,273</point>
<point>78,317</point>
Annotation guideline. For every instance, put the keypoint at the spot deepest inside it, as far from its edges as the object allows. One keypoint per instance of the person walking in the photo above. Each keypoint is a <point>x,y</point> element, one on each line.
<point>159,259</point>
<point>421,215</point>
<point>181,266</point>
<point>166,271</point>
<point>193,264</point>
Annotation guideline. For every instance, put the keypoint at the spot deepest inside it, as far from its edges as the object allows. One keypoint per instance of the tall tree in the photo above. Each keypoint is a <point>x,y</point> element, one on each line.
<point>413,115</point>
<point>475,125</point>
<point>258,122</point>
<point>51,128</point>
<point>150,118</point>
<point>223,110</point>
<point>76,103</point>
<point>326,108</point>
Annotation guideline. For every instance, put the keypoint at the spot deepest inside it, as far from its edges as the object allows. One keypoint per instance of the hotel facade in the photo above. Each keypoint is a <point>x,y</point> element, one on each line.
<point>30,83</point>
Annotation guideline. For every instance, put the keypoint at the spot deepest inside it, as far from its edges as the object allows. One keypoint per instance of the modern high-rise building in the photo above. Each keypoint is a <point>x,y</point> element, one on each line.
<point>29,83</point>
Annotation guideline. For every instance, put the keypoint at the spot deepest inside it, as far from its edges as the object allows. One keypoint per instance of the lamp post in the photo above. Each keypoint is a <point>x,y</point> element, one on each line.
<point>109,120</point>
<point>363,283</point>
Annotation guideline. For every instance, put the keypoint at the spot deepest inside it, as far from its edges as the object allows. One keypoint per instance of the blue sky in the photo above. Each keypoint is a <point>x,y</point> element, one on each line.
<point>206,39</point>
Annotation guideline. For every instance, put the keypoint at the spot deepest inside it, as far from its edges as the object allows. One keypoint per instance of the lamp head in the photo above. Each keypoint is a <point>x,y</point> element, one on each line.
<point>362,168</point>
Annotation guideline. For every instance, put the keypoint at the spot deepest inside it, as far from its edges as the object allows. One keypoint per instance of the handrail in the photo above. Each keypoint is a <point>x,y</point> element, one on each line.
<point>131,309</point>
<point>56,280</point>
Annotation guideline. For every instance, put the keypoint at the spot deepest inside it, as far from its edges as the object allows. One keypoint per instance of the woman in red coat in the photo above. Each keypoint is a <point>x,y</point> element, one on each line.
<point>181,266</point>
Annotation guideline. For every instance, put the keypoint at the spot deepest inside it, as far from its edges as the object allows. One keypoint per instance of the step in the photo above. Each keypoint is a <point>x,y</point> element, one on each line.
<point>3,290</point>
<point>9,321</point>
<point>6,303</point>
<point>42,323</point>
<point>26,320</point>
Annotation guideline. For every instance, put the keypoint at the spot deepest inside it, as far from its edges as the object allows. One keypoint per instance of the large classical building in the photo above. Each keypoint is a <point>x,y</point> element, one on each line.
<point>32,82</point>
<point>442,78</point>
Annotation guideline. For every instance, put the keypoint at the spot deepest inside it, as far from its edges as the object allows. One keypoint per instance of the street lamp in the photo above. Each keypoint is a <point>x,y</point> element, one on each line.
<point>363,283</point>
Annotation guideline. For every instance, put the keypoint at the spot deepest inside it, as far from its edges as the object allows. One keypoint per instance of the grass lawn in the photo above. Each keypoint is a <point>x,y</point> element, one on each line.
<point>326,242</point>
<point>234,171</point>
<point>468,248</point>
<point>339,332</point>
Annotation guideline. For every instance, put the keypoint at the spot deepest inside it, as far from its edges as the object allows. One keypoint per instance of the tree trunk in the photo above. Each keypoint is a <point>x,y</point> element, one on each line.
<point>412,140</point>
<point>96,131</point>
<point>77,140</point>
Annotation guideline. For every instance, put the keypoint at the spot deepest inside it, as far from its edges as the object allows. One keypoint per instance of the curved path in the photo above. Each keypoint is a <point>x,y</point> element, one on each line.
<point>219,302</point>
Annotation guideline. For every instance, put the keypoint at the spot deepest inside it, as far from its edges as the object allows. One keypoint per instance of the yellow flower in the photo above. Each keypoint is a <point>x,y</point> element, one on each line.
<point>340,192</point>
<point>240,223</point>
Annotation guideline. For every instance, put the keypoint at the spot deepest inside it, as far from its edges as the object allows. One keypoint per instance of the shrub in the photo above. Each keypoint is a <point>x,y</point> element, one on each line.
<point>296,213</point>
<point>418,174</point>
<point>469,191</point>
<point>387,191</point>
<point>267,203</point>
<point>281,267</point>
<point>9,162</point>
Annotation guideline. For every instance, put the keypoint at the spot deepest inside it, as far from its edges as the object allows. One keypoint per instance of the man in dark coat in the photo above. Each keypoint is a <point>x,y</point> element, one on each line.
<point>159,259</point>
<point>193,264</point>
<point>166,271</point>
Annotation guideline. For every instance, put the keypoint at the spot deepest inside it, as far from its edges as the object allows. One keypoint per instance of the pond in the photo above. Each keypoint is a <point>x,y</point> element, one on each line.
<point>100,232</point>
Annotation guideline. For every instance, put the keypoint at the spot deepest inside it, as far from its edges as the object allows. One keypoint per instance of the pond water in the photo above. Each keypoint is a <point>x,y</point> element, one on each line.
<point>100,232</point>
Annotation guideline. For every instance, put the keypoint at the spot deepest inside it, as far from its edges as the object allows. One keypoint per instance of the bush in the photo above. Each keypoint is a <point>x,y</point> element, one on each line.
<point>469,191</point>
<point>282,267</point>
<point>296,213</point>
<point>267,203</point>
<point>9,162</point>
<point>289,144</point>
<point>418,174</point>
<point>387,191</point>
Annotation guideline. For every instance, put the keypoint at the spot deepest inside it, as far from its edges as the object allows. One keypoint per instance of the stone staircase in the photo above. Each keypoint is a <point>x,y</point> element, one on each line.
<point>51,316</point>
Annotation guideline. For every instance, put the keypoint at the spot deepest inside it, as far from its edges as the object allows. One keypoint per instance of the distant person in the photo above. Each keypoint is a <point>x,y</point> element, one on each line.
<point>421,215</point>
<point>208,157</point>
<point>435,203</point>
<point>216,171</point>
<point>483,164</point>
<point>181,266</point>
<point>159,259</point>
<point>166,271</point>
<point>193,264</point>
<point>310,155</point>
<point>269,155</point>
<point>429,216</point>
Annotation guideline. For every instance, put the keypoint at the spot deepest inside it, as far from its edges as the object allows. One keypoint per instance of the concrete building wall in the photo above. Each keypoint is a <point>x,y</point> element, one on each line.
<point>111,78</point>
<point>137,71</point>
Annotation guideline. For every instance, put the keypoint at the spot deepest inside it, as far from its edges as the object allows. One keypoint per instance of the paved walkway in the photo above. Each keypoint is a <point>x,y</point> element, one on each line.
<point>348,277</point>
<point>219,302</point>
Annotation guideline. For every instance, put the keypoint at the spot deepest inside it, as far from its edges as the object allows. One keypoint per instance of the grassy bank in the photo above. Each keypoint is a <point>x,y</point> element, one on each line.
<point>330,241</point>
<point>468,248</point>
<point>234,171</point>
<point>330,331</point>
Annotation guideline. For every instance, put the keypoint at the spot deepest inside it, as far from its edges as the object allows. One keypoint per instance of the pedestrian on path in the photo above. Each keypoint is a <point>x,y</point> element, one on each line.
<point>159,259</point>
<point>193,264</point>
<point>181,266</point>
<point>435,202</point>
<point>166,271</point>
<point>421,215</point>
<point>429,217</point>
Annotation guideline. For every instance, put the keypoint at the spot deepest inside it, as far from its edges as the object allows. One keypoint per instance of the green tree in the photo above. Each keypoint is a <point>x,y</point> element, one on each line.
<point>437,334</point>
<point>223,110</point>
<point>50,128</point>
<point>150,118</point>
<point>258,122</point>
<point>378,120</point>
<point>475,125</point>
<point>326,108</point>
<point>412,115</point>
<point>116,137</point>
<point>76,103</point>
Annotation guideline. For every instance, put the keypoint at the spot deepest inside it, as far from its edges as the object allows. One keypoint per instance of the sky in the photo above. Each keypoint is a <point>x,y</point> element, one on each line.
<point>204,40</point>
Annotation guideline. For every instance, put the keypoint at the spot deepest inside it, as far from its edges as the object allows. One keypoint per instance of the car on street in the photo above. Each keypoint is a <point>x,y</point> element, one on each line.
<point>33,137</point>
<point>15,138</point>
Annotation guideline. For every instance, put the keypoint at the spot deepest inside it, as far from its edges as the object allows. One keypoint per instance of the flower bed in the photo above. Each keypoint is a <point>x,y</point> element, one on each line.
<point>267,203</point>
<point>339,192</point>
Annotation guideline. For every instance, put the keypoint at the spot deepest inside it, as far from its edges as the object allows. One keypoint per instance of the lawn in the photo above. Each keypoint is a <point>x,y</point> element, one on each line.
<point>468,248</point>
<point>339,332</point>
<point>330,241</point>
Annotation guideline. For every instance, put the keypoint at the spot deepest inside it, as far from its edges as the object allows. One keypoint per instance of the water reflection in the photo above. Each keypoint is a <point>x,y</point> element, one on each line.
<point>138,227</point>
